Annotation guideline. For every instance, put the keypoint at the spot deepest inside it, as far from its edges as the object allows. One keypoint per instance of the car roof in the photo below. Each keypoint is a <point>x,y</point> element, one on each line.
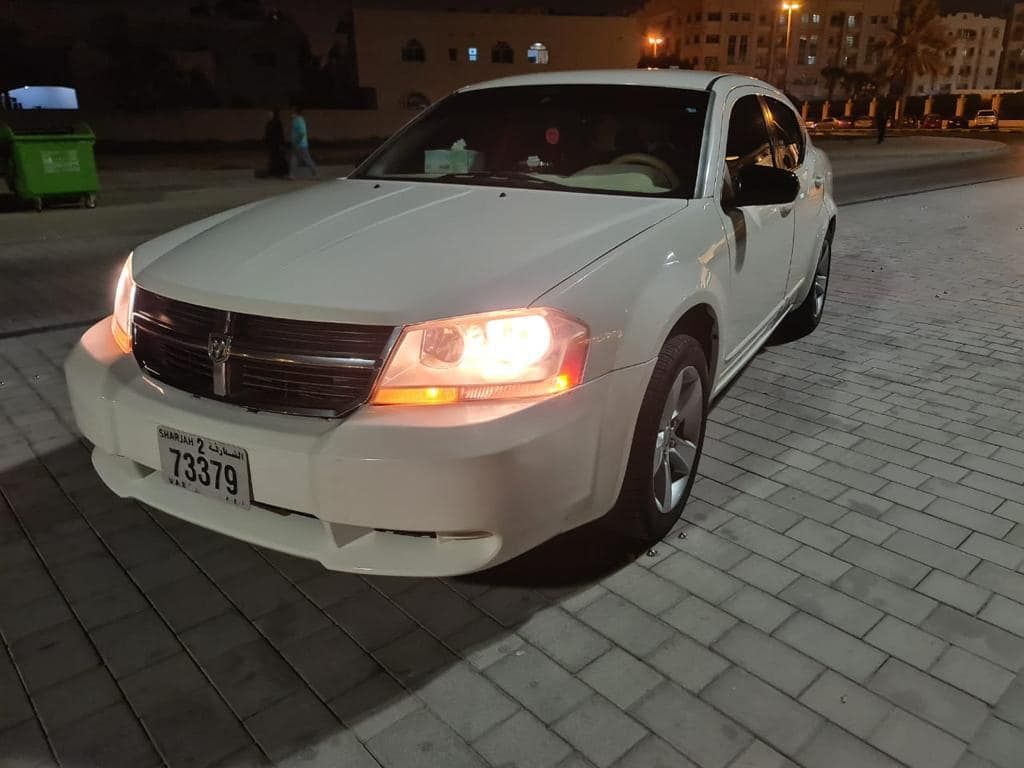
<point>665,78</point>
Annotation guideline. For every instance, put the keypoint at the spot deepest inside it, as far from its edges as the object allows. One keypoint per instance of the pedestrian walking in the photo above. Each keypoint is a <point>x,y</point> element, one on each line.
<point>881,121</point>
<point>273,139</point>
<point>300,146</point>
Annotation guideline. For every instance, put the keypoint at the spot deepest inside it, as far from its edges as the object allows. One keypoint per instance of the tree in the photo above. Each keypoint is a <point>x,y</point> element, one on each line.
<point>833,77</point>
<point>915,47</point>
<point>859,85</point>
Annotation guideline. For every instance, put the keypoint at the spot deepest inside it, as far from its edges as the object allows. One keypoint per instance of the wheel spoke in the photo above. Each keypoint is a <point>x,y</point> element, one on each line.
<point>683,455</point>
<point>666,468</point>
<point>672,402</point>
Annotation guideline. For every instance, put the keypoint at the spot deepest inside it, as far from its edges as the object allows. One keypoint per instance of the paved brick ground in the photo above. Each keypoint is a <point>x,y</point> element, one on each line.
<point>845,591</point>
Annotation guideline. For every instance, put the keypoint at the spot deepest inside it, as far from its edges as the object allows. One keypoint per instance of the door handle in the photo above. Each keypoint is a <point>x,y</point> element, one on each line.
<point>818,182</point>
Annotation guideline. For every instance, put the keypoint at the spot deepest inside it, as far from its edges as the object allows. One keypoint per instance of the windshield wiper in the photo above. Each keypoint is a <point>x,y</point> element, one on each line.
<point>500,178</point>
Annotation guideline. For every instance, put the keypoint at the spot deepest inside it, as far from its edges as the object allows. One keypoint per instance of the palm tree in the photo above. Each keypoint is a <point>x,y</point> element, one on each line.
<point>915,47</point>
<point>833,77</point>
<point>859,85</point>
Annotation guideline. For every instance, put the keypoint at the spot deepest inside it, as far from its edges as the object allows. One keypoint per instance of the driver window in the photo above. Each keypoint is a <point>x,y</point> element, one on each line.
<point>748,142</point>
<point>789,139</point>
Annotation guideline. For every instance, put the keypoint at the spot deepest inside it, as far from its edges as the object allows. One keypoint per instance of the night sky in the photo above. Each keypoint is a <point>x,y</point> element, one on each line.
<point>987,7</point>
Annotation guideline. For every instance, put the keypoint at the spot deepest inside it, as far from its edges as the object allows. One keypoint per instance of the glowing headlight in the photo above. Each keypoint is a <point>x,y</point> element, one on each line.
<point>124,298</point>
<point>493,356</point>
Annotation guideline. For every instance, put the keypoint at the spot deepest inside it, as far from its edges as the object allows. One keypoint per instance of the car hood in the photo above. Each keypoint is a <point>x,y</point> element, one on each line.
<point>391,252</point>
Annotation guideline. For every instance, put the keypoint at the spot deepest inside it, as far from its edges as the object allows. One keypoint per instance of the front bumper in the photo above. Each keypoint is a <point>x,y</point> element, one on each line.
<point>479,482</point>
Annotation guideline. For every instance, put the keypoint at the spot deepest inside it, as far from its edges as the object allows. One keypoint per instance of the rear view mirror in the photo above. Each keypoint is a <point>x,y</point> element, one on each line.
<point>765,185</point>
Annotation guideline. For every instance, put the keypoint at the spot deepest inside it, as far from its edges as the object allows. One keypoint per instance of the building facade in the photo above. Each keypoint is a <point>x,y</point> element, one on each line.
<point>750,37</point>
<point>972,60</point>
<point>1011,69</point>
<point>413,58</point>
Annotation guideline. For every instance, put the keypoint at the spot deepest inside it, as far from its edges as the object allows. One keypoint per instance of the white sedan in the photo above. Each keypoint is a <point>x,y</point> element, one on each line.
<point>509,321</point>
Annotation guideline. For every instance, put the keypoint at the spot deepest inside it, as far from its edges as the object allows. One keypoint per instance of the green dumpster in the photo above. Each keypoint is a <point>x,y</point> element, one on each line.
<point>51,164</point>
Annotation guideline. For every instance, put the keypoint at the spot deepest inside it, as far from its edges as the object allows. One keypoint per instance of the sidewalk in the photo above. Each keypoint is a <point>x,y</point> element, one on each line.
<point>863,155</point>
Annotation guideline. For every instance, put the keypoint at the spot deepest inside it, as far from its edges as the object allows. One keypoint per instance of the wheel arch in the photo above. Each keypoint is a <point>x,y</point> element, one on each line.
<point>701,322</point>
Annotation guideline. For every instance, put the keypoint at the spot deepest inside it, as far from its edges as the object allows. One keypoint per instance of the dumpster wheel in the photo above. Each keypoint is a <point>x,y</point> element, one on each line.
<point>89,200</point>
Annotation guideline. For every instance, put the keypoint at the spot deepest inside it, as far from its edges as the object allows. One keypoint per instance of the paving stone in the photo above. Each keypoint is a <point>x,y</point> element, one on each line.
<point>760,755</point>
<point>780,721</point>
<point>864,527</point>
<point>953,591</point>
<point>1004,613</point>
<point>437,608</point>
<point>961,494</point>
<point>763,512</point>
<point>928,698</point>
<point>564,638</point>
<point>999,742</point>
<point>336,749</point>
<point>698,619</point>
<point>52,655</point>
<point>420,740</point>
<point>972,674</point>
<point>291,622</point>
<point>620,677</point>
<point>371,619</point>
<point>688,663</point>
<point>188,602</point>
<point>707,546</point>
<point>600,731</point>
<point>1011,703</point>
<point>905,642</point>
<point>757,538</point>
<point>916,743</point>
<point>770,659</point>
<point>763,573</point>
<point>978,637</point>
<point>75,697</point>
<point>252,676</point>
<point>883,562</point>
<point>758,608</point>
<point>220,634</point>
<point>523,741</point>
<point>865,504</point>
<point>411,659</point>
<point>994,550</point>
<point>213,732</point>
<point>845,703</point>
<point>28,743</point>
<point>653,752</point>
<point>1007,583</point>
<point>510,605</point>
<point>374,705</point>
<point>832,647</point>
<point>538,684</point>
<point>931,553</point>
<point>816,535</point>
<point>885,595</point>
<point>647,590</point>
<point>484,642</point>
<point>466,700</point>
<point>817,565</point>
<point>834,607</point>
<point>926,525</point>
<point>134,642</point>
<point>834,748</point>
<point>625,624</point>
<point>111,737</point>
<point>808,505</point>
<point>330,587</point>
<point>329,661</point>
<point>969,518</point>
<point>701,733</point>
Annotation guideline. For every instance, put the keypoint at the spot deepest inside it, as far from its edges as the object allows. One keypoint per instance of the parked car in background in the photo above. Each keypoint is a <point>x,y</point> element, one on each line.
<point>987,118</point>
<point>833,123</point>
<point>957,122</point>
<point>932,121</point>
<point>509,321</point>
<point>864,121</point>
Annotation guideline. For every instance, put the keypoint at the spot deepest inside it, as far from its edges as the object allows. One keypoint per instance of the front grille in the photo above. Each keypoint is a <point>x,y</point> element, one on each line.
<point>262,363</point>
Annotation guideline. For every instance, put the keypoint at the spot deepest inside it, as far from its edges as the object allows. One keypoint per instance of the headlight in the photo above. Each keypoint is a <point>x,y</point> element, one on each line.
<point>493,356</point>
<point>124,298</point>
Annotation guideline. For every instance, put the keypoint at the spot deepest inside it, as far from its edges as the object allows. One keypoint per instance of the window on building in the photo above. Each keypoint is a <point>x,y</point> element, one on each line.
<point>851,61</point>
<point>714,15</point>
<point>713,39</point>
<point>472,53</point>
<point>836,20</point>
<point>851,21</point>
<point>763,19</point>
<point>730,50</point>
<point>734,17</point>
<point>970,51</point>
<point>815,18</point>
<point>537,54</point>
<point>949,72</point>
<point>710,62</point>
<point>884,19</point>
<point>502,53</point>
<point>743,49</point>
<point>413,51</point>
<point>874,19</point>
<point>453,54</point>
<point>762,41</point>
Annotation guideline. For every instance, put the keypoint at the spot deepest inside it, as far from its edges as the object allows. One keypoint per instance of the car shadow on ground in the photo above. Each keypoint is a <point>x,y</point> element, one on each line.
<point>195,646</point>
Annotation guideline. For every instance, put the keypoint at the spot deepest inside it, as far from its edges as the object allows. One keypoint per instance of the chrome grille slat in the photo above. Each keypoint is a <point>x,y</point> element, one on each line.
<point>282,365</point>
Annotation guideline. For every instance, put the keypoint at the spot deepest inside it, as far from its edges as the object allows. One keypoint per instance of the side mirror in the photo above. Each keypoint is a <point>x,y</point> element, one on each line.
<point>765,185</point>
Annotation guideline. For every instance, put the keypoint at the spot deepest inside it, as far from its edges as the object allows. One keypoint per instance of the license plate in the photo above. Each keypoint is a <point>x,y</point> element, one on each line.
<point>205,466</point>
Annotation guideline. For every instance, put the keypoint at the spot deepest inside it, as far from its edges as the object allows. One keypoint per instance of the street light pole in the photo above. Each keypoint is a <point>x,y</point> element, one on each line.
<point>655,42</point>
<point>789,7</point>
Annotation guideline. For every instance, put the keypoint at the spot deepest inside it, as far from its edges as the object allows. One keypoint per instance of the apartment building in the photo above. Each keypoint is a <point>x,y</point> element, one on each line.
<point>972,60</point>
<point>749,37</point>
<point>413,58</point>
<point>1011,70</point>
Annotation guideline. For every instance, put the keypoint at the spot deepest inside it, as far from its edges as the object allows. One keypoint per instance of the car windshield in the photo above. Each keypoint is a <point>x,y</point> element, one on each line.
<point>612,139</point>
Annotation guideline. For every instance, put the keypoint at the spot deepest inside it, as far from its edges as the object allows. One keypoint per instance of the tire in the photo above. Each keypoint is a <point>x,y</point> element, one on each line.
<point>804,319</point>
<point>89,200</point>
<point>681,373</point>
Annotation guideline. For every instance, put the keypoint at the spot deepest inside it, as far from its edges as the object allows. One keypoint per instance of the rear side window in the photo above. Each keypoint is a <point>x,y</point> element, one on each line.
<point>748,142</point>
<point>789,139</point>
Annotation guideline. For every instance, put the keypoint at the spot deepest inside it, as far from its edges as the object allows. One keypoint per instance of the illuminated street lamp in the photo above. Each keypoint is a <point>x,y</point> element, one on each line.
<point>789,8</point>
<point>655,42</point>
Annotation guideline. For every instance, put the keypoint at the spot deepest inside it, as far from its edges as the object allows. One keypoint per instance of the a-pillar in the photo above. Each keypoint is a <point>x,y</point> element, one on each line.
<point>961,105</point>
<point>848,109</point>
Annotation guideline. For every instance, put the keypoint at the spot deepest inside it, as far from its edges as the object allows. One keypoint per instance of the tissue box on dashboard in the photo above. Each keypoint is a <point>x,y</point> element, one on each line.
<point>452,161</point>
